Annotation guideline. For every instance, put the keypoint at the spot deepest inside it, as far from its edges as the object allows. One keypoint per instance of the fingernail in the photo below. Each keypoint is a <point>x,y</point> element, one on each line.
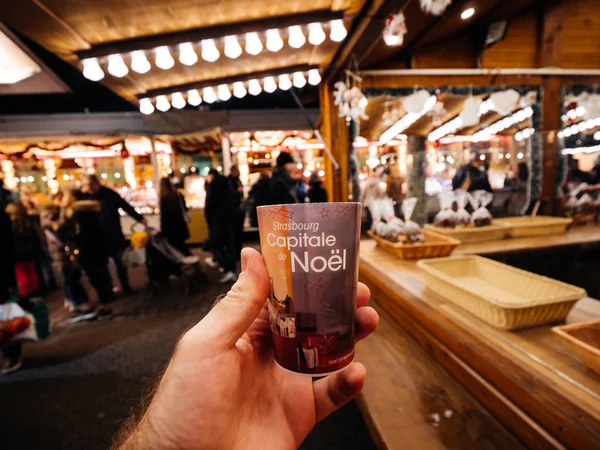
<point>244,258</point>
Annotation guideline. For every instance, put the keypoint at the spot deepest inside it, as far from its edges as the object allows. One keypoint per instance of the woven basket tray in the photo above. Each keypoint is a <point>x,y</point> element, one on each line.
<point>498,294</point>
<point>435,246</point>
<point>467,235</point>
<point>585,340</point>
<point>535,226</point>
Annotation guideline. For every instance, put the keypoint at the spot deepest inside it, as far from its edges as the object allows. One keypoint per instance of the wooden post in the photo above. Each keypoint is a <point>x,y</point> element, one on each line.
<point>155,167</point>
<point>416,176</point>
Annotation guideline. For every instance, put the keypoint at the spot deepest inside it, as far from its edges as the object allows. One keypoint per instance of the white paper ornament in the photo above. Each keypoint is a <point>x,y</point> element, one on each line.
<point>528,99</point>
<point>415,103</point>
<point>592,107</point>
<point>504,102</point>
<point>435,7</point>
<point>395,29</point>
<point>470,112</point>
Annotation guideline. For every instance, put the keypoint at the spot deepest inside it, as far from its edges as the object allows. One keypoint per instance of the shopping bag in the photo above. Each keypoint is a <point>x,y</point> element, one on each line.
<point>135,256</point>
<point>18,325</point>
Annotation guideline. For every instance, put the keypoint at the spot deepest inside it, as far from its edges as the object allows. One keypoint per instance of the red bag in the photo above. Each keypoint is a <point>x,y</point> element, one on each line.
<point>27,279</point>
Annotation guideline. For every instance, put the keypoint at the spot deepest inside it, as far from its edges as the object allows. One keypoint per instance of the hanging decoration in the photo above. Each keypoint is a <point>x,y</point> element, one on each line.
<point>395,29</point>
<point>390,116</point>
<point>469,115</point>
<point>349,97</point>
<point>438,111</point>
<point>415,103</point>
<point>434,7</point>
<point>528,99</point>
<point>505,101</point>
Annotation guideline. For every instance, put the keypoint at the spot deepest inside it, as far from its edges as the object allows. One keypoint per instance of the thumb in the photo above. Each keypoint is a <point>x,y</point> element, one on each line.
<point>233,315</point>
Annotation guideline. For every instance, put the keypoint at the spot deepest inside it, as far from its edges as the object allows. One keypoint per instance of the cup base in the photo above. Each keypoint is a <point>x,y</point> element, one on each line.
<point>315,375</point>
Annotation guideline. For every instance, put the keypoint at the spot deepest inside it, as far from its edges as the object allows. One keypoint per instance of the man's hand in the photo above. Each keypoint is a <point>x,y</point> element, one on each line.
<point>223,389</point>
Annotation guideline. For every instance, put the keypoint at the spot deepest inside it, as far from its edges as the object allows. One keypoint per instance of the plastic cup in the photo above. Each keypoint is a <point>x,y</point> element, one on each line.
<point>311,254</point>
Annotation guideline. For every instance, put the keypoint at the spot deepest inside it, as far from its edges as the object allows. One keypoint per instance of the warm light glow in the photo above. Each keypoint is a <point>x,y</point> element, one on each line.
<point>274,41</point>
<point>307,173</point>
<point>338,32</point>
<point>116,66</point>
<point>146,106</point>
<point>16,65</point>
<point>253,44</point>
<point>209,95</point>
<point>194,98</point>
<point>520,155</point>
<point>482,157</point>
<point>363,102</point>
<point>284,82</point>
<point>104,176</point>
<point>177,100</point>
<point>467,13</point>
<point>187,55</point>
<point>316,35</point>
<point>91,70</point>
<point>239,90</point>
<point>299,80</point>
<point>296,38</point>
<point>139,62</point>
<point>232,47</point>
<point>223,92</point>
<point>269,85</point>
<point>299,166</point>
<point>210,52</point>
<point>314,77</point>
<point>163,59</point>
<point>117,175</point>
<point>254,87</point>
<point>162,103</point>
<point>321,173</point>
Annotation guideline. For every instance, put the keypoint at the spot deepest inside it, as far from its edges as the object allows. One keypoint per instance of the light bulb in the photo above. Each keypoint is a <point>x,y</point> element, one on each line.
<point>299,80</point>
<point>210,52</point>
<point>177,100</point>
<point>316,35</point>
<point>296,38</point>
<point>338,31</point>
<point>253,44</point>
<point>116,66</point>
<point>239,90</point>
<point>92,70</point>
<point>284,82</point>
<point>163,59</point>
<point>232,47</point>
<point>314,77</point>
<point>274,41</point>
<point>146,106</point>
<point>269,85</point>
<point>162,103</point>
<point>223,92</point>
<point>209,95</point>
<point>187,55</point>
<point>194,98</point>
<point>139,62</point>
<point>254,87</point>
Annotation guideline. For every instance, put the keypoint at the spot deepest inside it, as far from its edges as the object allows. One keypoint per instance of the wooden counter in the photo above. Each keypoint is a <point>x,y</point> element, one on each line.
<point>530,380</point>
<point>575,236</point>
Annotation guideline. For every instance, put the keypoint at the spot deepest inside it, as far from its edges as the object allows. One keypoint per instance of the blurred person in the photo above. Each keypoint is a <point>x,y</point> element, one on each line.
<point>110,223</point>
<point>472,177</point>
<point>374,188</point>
<point>316,190</point>
<point>282,189</point>
<point>259,196</point>
<point>173,216</point>
<point>220,212</point>
<point>49,221</point>
<point>393,188</point>
<point>519,186</point>
<point>240,213</point>
<point>5,195</point>
<point>300,190</point>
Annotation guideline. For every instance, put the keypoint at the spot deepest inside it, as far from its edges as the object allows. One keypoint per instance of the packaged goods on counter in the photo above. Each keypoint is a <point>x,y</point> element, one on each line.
<point>412,232</point>
<point>481,216</point>
<point>463,218</point>
<point>446,218</point>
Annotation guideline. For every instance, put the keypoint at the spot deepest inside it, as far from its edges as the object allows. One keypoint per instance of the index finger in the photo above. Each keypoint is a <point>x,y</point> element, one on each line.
<point>363,294</point>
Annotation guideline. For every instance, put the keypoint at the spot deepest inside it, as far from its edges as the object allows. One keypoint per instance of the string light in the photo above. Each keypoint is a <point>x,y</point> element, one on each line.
<point>163,59</point>
<point>296,38</point>
<point>187,55</point>
<point>314,77</point>
<point>232,47</point>
<point>92,70</point>
<point>269,85</point>
<point>177,100</point>
<point>316,35</point>
<point>209,95</point>
<point>162,103</point>
<point>406,121</point>
<point>338,32</point>
<point>146,106</point>
<point>223,92</point>
<point>253,44</point>
<point>210,53</point>
<point>299,80</point>
<point>116,66</point>
<point>274,41</point>
<point>194,98</point>
<point>139,62</point>
<point>239,90</point>
<point>254,87</point>
<point>284,82</point>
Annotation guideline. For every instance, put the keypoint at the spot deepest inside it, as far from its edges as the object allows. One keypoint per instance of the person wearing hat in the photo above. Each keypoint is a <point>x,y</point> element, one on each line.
<point>283,188</point>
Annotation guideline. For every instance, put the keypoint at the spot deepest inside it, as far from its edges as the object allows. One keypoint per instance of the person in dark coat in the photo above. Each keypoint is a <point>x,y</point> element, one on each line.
<point>220,214</point>
<point>173,216</point>
<point>472,177</point>
<point>282,189</point>
<point>110,222</point>
<point>259,196</point>
<point>316,190</point>
<point>5,195</point>
<point>240,213</point>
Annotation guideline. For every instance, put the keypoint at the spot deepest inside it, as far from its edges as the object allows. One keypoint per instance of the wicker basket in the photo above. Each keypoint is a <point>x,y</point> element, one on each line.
<point>468,235</point>
<point>585,340</point>
<point>535,226</point>
<point>435,246</point>
<point>498,294</point>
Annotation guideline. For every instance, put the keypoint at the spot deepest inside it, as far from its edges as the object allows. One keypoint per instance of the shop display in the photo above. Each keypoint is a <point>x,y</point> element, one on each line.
<point>584,339</point>
<point>481,216</point>
<point>494,292</point>
<point>463,218</point>
<point>411,230</point>
<point>447,217</point>
<point>524,226</point>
